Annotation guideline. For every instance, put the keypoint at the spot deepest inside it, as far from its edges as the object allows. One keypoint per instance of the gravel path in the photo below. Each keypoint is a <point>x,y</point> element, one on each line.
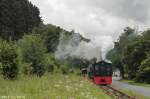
<point>138,89</point>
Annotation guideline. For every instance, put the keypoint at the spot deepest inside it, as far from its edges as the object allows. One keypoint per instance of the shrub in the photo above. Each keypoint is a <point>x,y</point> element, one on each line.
<point>33,54</point>
<point>8,60</point>
<point>49,62</point>
<point>50,68</point>
<point>144,71</point>
<point>65,68</point>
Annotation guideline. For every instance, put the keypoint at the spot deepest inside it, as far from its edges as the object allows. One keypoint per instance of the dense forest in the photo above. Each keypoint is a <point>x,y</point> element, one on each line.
<point>131,54</point>
<point>17,17</point>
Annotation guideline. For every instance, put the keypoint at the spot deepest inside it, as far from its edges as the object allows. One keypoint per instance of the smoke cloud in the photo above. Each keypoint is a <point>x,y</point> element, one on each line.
<point>74,46</point>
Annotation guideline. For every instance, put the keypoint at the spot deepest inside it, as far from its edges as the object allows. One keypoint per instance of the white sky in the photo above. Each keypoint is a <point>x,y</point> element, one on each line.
<point>100,20</point>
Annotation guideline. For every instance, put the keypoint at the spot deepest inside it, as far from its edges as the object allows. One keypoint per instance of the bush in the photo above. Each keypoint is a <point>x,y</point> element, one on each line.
<point>1,68</point>
<point>65,67</point>
<point>144,71</point>
<point>8,60</point>
<point>49,62</point>
<point>33,54</point>
<point>133,56</point>
<point>50,68</point>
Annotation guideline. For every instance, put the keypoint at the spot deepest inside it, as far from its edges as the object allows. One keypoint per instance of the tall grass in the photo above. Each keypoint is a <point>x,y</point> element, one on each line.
<point>54,86</point>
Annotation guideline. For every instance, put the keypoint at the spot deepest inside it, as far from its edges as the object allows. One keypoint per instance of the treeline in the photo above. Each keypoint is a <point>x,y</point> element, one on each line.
<point>17,17</point>
<point>131,54</point>
<point>33,54</point>
<point>27,46</point>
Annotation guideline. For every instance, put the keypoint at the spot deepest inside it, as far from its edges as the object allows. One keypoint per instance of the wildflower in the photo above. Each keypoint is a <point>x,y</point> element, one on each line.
<point>56,85</point>
<point>87,96</point>
<point>66,77</point>
<point>94,98</point>
<point>76,89</point>
<point>82,93</point>
<point>68,88</point>
<point>58,97</point>
<point>71,98</point>
<point>88,93</point>
<point>81,85</point>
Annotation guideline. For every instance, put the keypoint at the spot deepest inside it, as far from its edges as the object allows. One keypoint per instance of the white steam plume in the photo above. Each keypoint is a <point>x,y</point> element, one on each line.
<point>74,46</point>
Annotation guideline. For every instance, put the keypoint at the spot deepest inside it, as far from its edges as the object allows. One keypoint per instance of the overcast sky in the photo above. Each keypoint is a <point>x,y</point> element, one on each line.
<point>100,20</point>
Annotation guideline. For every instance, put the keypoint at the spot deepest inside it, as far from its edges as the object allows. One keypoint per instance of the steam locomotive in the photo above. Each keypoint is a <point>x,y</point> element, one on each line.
<point>100,72</point>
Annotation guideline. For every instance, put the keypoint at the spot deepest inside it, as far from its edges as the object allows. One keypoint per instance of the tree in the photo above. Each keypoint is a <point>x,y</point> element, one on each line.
<point>144,71</point>
<point>33,52</point>
<point>8,60</point>
<point>115,55</point>
<point>17,17</point>
<point>51,38</point>
<point>133,55</point>
<point>146,35</point>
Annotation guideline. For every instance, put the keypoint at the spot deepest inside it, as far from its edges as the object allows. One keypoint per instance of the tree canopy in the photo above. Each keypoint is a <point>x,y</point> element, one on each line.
<point>131,55</point>
<point>17,17</point>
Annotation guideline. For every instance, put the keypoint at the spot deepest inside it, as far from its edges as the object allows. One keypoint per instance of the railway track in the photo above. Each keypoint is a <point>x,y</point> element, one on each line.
<point>115,93</point>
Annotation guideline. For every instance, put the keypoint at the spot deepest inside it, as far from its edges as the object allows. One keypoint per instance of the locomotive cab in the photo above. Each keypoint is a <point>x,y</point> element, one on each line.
<point>102,73</point>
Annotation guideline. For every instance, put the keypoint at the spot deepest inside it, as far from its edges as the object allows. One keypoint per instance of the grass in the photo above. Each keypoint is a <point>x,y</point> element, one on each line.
<point>54,86</point>
<point>135,83</point>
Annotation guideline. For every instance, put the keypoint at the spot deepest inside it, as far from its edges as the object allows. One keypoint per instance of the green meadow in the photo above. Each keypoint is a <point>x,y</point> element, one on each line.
<point>54,86</point>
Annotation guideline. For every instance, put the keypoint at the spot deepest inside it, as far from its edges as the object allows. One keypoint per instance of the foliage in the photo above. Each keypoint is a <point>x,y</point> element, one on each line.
<point>53,35</point>
<point>36,42</point>
<point>146,35</point>
<point>131,53</point>
<point>17,17</point>
<point>33,52</point>
<point>50,62</point>
<point>144,71</point>
<point>115,55</point>
<point>51,38</point>
<point>64,68</point>
<point>8,60</point>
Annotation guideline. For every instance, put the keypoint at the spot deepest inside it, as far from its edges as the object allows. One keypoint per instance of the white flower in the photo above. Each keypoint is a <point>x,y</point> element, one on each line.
<point>68,87</point>
<point>87,96</point>
<point>76,89</point>
<point>56,85</point>
<point>88,93</point>
<point>58,97</point>
<point>81,85</point>
<point>95,98</point>
<point>71,98</point>
<point>66,77</point>
<point>82,93</point>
